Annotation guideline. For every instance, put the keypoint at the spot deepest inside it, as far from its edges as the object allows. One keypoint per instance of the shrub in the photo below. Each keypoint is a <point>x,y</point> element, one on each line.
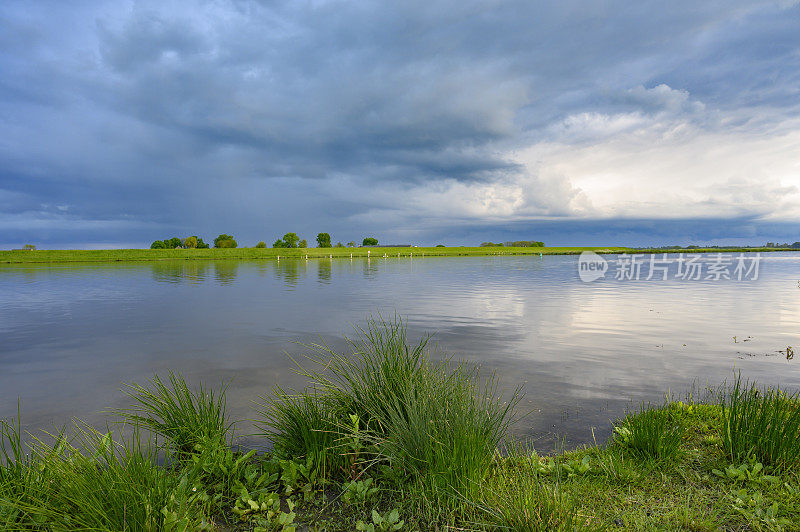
<point>651,433</point>
<point>370,241</point>
<point>764,424</point>
<point>261,245</point>
<point>224,241</point>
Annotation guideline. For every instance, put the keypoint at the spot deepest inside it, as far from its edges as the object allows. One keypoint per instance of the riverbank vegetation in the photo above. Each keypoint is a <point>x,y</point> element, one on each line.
<point>280,251</point>
<point>258,253</point>
<point>393,436</point>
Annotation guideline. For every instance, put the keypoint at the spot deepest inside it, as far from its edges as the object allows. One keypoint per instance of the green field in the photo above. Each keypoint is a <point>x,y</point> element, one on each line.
<point>125,255</point>
<point>113,255</point>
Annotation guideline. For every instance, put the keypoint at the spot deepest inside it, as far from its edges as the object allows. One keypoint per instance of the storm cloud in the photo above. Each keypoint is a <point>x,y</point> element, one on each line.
<point>429,122</point>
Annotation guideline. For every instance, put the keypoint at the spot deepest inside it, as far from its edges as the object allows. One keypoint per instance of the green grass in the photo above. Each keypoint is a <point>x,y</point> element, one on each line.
<point>761,423</point>
<point>408,408</point>
<point>124,255</point>
<point>127,255</point>
<point>301,426</point>
<point>91,482</point>
<point>185,416</point>
<point>391,432</point>
<point>650,433</point>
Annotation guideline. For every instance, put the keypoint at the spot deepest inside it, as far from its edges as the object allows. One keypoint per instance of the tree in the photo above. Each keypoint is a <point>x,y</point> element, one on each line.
<point>158,244</point>
<point>190,242</point>
<point>261,244</point>
<point>351,244</point>
<point>29,247</point>
<point>173,242</point>
<point>279,244</point>
<point>370,241</point>
<point>291,240</point>
<point>302,244</point>
<point>339,245</point>
<point>224,241</point>
<point>200,243</point>
<point>323,240</point>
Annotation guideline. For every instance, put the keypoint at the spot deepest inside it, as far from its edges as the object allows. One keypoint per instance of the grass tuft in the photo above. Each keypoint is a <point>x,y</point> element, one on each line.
<point>433,418</point>
<point>301,426</point>
<point>764,424</point>
<point>185,416</point>
<point>651,433</point>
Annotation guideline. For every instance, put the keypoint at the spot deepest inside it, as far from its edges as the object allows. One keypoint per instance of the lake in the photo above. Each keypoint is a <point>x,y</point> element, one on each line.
<point>72,334</point>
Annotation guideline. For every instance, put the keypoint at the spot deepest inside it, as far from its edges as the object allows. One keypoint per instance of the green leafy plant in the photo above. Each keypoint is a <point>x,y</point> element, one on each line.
<point>299,477</point>
<point>359,491</point>
<point>390,521</point>
<point>264,511</point>
<point>576,468</point>
<point>751,472</point>
<point>755,508</point>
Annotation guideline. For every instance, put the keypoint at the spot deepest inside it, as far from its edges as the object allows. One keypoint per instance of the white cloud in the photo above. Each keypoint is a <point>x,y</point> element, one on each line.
<point>679,161</point>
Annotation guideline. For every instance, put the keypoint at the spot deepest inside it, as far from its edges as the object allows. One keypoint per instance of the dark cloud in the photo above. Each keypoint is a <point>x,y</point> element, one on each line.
<point>261,117</point>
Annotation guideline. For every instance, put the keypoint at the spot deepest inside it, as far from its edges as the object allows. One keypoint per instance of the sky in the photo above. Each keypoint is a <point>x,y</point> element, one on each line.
<point>575,123</point>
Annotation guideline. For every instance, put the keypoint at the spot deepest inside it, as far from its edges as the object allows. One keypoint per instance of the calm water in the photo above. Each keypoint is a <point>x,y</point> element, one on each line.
<point>70,335</point>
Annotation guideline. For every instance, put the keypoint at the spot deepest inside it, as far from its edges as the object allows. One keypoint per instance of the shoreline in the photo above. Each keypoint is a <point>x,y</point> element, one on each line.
<point>153,255</point>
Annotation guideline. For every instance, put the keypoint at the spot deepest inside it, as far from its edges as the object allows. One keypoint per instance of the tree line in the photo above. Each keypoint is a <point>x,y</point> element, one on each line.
<point>515,244</point>
<point>289,240</point>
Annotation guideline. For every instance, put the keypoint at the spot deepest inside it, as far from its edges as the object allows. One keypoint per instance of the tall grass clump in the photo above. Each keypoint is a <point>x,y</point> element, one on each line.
<point>89,482</point>
<point>651,433</point>
<point>434,418</point>
<point>17,477</point>
<point>301,426</point>
<point>185,416</point>
<point>764,424</point>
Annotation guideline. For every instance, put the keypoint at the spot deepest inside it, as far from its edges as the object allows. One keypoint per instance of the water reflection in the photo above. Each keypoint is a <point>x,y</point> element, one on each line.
<point>324,270</point>
<point>584,351</point>
<point>193,272</point>
<point>225,271</point>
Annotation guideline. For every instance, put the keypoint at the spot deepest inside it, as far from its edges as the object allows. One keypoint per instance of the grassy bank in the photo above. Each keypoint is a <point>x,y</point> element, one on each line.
<point>387,438</point>
<point>127,255</point>
<point>118,255</point>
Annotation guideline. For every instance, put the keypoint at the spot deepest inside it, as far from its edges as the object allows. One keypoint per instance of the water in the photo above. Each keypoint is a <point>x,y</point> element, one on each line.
<point>72,334</point>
